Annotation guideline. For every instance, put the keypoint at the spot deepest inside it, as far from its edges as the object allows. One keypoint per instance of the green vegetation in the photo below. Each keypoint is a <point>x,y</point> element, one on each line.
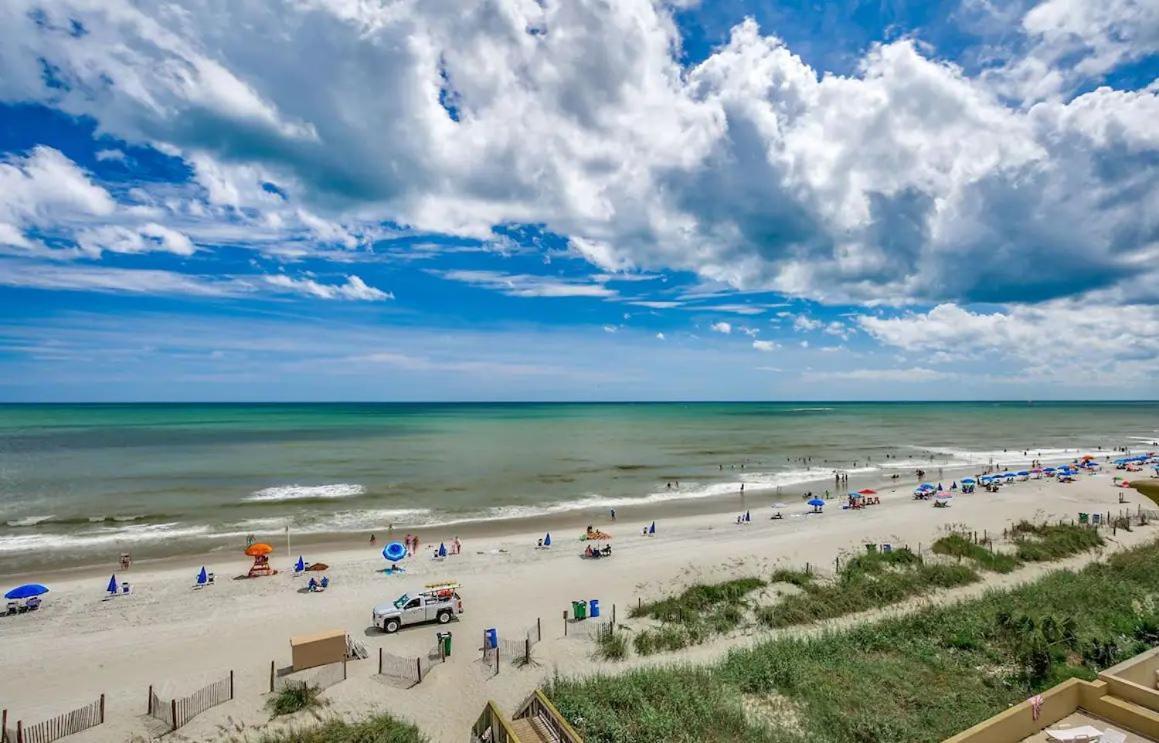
<point>916,678</point>
<point>694,615</point>
<point>295,698</point>
<point>1043,543</point>
<point>799,578</point>
<point>377,729</point>
<point>612,646</point>
<point>957,545</point>
<point>866,582</point>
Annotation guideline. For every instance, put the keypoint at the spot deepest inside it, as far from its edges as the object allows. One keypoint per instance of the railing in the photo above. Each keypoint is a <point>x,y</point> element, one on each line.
<point>541,708</point>
<point>83,718</point>
<point>492,727</point>
<point>180,710</point>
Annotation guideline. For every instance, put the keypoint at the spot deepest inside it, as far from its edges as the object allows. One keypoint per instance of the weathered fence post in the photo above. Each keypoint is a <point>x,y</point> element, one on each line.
<point>419,668</point>
<point>272,673</point>
<point>19,731</point>
<point>230,687</point>
<point>527,650</point>
<point>173,709</point>
<point>564,623</point>
<point>102,709</point>
<point>380,661</point>
<point>538,630</point>
<point>150,706</point>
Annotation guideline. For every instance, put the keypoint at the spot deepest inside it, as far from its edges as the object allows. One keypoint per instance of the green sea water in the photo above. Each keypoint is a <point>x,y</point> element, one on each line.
<point>81,482</point>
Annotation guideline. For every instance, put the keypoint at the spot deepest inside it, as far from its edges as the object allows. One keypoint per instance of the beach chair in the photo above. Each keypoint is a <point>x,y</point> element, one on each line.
<point>13,607</point>
<point>32,604</point>
<point>126,589</point>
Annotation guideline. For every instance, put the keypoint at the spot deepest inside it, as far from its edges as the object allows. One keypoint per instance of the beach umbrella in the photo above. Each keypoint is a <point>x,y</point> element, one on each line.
<point>442,550</point>
<point>547,540</point>
<point>816,502</point>
<point>968,481</point>
<point>394,551</point>
<point>1023,473</point>
<point>27,591</point>
<point>202,577</point>
<point>748,516</point>
<point>112,587</point>
<point>652,528</point>
<point>300,565</point>
<point>867,491</point>
<point>258,549</point>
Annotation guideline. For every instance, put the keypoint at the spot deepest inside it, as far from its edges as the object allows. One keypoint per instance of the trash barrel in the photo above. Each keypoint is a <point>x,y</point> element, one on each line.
<point>579,609</point>
<point>491,638</point>
<point>595,608</point>
<point>445,643</point>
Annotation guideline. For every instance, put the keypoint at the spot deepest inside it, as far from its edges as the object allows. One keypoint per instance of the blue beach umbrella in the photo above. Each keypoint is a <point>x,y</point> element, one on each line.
<point>442,550</point>
<point>202,577</point>
<point>27,591</point>
<point>816,502</point>
<point>112,587</point>
<point>1023,473</point>
<point>394,551</point>
<point>300,565</point>
<point>547,540</point>
<point>652,528</point>
<point>968,481</point>
<point>748,516</point>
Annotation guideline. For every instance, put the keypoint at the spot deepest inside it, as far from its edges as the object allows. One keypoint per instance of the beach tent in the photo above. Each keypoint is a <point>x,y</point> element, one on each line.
<point>27,591</point>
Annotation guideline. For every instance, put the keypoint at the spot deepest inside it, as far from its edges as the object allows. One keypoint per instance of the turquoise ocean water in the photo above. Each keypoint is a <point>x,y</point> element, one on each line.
<point>81,482</point>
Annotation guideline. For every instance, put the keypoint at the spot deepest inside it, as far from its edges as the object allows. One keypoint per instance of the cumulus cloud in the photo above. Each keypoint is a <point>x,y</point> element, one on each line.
<point>907,180</point>
<point>46,188</point>
<point>765,346</point>
<point>1063,340</point>
<point>354,289</point>
<point>722,327</point>
<point>804,323</point>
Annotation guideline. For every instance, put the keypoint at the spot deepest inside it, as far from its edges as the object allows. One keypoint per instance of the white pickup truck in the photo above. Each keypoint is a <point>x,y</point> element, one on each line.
<point>433,604</point>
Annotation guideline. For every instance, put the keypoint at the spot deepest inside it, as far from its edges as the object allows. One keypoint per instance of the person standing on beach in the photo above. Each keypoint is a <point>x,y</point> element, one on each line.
<point>372,540</point>
<point>613,512</point>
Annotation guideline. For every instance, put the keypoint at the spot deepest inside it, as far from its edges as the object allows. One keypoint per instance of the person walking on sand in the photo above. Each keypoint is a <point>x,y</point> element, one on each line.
<point>372,540</point>
<point>613,512</point>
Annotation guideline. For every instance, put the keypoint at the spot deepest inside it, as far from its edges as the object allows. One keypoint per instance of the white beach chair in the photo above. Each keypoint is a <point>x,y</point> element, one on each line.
<point>13,607</point>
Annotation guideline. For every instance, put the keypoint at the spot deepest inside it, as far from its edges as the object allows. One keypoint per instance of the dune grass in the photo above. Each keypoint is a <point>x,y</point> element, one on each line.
<point>295,698</point>
<point>1046,542</point>
<point>960,546</point>
<point>916,678</point>
<point>612,646</point>
<point>798,578</point>
<point>377,729</point>
<point>866,582</point>
<point>694,615</point>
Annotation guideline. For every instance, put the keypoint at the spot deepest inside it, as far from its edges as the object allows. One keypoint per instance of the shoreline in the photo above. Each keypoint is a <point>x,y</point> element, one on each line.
<point>753,498</point>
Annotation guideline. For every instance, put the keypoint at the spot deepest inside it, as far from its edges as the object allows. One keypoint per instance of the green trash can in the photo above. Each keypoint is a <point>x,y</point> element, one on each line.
<point>445,641</point>
<point>580,609</point>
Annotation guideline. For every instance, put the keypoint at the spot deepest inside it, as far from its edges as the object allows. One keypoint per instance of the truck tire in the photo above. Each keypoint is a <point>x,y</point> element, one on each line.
<point>390,626</point>
<point>444,616</point>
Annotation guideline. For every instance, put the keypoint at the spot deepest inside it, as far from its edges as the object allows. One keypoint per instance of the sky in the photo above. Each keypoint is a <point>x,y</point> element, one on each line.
<point>578,200</point>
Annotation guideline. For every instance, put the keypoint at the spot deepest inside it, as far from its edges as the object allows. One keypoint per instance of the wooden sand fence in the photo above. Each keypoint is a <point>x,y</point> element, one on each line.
<point>178,711</point>
<point>83,718</point>
<point>410,671</point>
<point>322,677</point>
<point>517,649</point>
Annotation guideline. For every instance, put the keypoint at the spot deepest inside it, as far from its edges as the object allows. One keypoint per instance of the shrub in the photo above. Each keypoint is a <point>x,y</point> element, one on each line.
<point>295,698</point>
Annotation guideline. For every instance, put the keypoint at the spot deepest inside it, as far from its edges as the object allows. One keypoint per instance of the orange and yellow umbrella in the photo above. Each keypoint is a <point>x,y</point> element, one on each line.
<point>261,548</point>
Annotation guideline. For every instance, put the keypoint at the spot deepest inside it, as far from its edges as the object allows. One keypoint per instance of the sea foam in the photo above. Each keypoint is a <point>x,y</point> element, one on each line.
<point>306,492</point>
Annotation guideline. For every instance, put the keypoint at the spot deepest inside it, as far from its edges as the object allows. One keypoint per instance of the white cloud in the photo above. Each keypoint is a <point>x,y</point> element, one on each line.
<point>611,329</point>
<point>722,327</point>
<point>907,180</point>
<point>914,374</point>
<point>765,346</point>
<point>70,277</point>
<point>355,289</point>
<point>660,336</point>
<point>839,329</point>
<point>46,188</point>
<point>1061,341</point>
<point>147,238</point>
<point>804,324</point>
<point>110,155</point>
<point>527,285</point>
<point>750,332</point>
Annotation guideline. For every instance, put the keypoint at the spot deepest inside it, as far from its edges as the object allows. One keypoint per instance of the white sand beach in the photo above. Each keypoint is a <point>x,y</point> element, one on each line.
<point>173,637</point>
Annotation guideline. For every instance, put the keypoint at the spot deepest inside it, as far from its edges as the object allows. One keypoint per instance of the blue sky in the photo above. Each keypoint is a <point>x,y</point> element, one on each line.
<point>536,200</point>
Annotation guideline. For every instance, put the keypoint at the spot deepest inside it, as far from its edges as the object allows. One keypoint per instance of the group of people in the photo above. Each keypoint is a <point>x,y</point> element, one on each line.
<point>316,585</point>
<point>605,551</point>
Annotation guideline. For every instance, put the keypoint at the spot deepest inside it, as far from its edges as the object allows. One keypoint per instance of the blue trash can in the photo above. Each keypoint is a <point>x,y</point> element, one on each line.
<point>594,610</point>
<point>491,638</point>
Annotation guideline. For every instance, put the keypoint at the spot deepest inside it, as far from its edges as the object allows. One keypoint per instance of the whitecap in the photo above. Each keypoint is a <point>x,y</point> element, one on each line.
<point>302,492</point>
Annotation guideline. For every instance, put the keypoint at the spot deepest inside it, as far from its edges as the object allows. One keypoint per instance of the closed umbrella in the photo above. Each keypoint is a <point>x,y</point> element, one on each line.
<point>202,577</point>
<point>652,528</point>
<point>112,587</point>
<point>300,565</point>
<point>442,550</point>
<point>547,540</point>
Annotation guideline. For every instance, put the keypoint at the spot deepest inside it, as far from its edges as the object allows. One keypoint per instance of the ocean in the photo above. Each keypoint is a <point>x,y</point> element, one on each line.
<point>81,483</point>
